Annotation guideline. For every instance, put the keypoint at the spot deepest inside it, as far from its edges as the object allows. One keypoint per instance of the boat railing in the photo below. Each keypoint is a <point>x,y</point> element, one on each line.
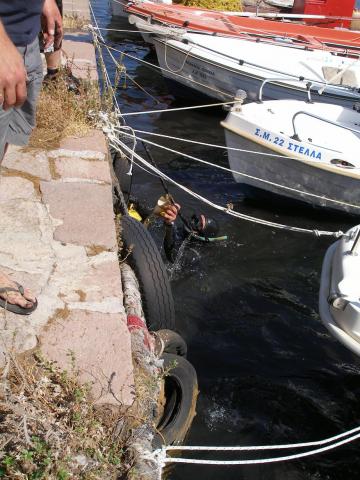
<point>309,85</point>
<point>279,79</point>
<point>295,136</point>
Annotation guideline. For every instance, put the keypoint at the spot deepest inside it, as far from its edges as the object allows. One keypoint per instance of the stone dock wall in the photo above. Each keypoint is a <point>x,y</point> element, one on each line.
<point>58,237</point>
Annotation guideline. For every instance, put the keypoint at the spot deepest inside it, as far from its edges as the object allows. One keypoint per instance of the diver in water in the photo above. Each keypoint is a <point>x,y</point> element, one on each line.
<point>199,227</point>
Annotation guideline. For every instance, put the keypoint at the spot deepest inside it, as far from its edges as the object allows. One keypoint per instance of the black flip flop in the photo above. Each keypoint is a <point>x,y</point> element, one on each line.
<point>16,308</point>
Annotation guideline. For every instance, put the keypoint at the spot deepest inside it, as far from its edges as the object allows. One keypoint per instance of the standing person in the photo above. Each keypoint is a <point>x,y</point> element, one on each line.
<point>53,62</point>
<point>20,83</point>
<point>53,58</point>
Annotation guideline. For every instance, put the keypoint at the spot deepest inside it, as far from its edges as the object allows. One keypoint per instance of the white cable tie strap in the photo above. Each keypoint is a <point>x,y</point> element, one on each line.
<point>263,460</point>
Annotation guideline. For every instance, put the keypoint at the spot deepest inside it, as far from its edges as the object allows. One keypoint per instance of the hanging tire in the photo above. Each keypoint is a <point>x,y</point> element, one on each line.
<point>145,259</point>
<point>179,409</point>
<point>168,341</point>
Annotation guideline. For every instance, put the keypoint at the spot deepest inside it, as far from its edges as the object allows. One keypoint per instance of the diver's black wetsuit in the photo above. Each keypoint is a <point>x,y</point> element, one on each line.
<point>172,241</point>
<point>198,227</point>
<point>173,236</point>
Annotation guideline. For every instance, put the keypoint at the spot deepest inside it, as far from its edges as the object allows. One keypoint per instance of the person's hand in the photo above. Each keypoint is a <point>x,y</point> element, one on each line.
<point>12,74</point>
<point>169,213</point>
<point>51,23</point>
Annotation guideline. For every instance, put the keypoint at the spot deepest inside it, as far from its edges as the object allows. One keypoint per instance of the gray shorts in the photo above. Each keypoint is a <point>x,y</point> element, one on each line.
<point>16,124</point>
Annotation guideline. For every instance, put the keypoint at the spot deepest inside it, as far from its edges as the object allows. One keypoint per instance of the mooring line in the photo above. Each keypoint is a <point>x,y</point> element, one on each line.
<point>236,172</point>
<point>115,142</point>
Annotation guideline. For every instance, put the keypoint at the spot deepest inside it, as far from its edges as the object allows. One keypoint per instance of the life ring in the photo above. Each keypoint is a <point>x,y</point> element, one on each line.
<point>168,341</point>
<point>179,405</point>
<point>145,259</point>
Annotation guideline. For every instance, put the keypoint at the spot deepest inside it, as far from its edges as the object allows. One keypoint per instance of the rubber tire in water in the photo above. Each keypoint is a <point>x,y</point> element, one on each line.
<point>181,391</point>
<point>173,342</point>
<point>145,259</point>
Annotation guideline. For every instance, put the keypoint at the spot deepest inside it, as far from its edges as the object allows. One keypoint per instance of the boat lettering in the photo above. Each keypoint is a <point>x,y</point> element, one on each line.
<point>199,70</point>
<point>292,146</point>
<point>264,135</point>
<point>193,64</point>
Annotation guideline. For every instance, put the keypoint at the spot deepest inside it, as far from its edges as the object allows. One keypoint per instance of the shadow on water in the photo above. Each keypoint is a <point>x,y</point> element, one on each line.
<point>268,370</point>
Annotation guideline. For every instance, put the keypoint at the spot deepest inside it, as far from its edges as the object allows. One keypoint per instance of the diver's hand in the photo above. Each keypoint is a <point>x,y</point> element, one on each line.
<point>169,213</point>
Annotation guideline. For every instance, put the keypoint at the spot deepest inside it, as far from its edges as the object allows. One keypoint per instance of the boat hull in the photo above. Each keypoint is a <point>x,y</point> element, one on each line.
<point>221,82</point>
<point>296,175</point>
<point>117,8</point>
<point>339,305</point>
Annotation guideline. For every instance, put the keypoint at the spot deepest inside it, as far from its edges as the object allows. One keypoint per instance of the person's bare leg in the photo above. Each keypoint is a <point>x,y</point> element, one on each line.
<point>53,60</point>
<point>27,300</point>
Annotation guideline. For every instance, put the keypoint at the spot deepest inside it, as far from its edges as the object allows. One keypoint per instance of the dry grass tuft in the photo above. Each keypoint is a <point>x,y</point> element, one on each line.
<point>226,5</point>
<point>62,113</point>
<point>74,21</point>
<point>50,428</point>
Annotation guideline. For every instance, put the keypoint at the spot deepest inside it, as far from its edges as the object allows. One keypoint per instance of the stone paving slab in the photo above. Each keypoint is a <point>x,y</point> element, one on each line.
<point>58,237</point>
<point>100,369</point>
<point>81,57</point>
<point>82,211</point>
<point>94,141</point>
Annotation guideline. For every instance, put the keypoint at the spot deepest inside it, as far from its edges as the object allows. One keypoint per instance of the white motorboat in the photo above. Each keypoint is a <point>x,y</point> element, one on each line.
<point>303,151</point>
<point>148,31</point>
<point>339,298</point>
<point>219,66</point>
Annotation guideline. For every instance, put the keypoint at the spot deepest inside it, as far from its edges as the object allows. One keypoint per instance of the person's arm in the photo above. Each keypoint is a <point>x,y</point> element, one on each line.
<point>169,215</point>
<point>51,23</point>
<point>12,73</point>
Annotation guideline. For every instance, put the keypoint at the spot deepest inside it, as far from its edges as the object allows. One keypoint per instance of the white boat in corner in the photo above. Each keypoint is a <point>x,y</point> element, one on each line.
<point>339,298</point>
<point>304,151</point>
<point>219,66</point>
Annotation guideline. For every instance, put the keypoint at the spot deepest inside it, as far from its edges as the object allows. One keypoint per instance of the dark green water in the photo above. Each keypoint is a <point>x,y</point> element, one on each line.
<point>268,371</point>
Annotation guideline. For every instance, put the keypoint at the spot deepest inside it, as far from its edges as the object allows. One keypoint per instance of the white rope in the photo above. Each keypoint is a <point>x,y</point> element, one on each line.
<point>264,447</point>
<point>179,109</point>
<point>236,172</point>
<point>116,142</point>
<point>285,458</point>
<point>214,145</point>
<point>160,459</point>
<point>96,37</point>
<point>117,64</point>
<point>110,130</point>
<point>172,70</point>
